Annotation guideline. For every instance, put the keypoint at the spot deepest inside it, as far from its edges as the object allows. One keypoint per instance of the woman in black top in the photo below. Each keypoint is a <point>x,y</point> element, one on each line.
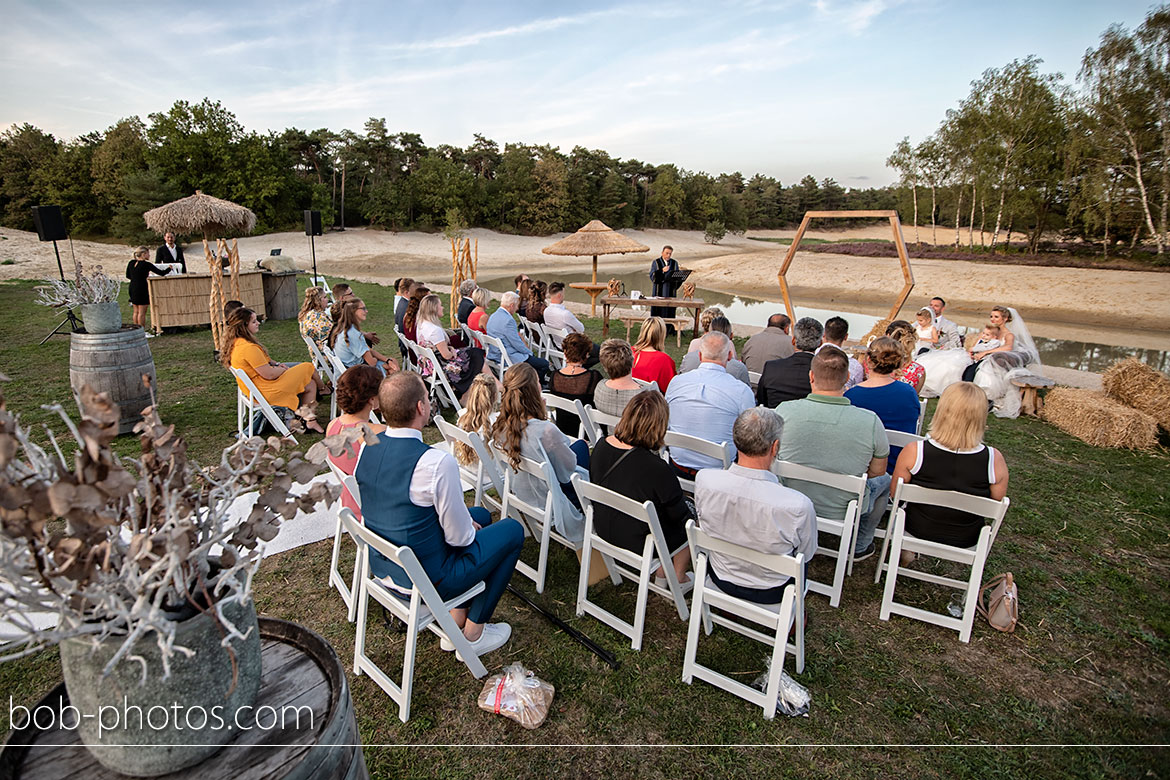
<point>136,271</point>
<point>574,380</point>
<point>628,463</point>
<point>953,457</point>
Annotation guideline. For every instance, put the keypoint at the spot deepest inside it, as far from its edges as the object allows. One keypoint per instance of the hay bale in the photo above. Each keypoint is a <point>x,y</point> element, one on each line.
<point>1097,419</point>
<point>878,329</point>
<point>1135,384</point>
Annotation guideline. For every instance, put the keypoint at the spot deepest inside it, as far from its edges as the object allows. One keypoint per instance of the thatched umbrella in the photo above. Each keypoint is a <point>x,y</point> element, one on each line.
<point>595,239</point>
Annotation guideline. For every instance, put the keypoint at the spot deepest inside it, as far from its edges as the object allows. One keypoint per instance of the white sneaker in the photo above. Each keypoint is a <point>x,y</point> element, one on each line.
<point>686,583</point>
<point>494,636</point>
<point>150,335</point>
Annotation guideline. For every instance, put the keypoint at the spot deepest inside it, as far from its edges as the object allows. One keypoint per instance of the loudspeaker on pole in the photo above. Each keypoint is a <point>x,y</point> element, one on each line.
<point>312,223</point>
<point>49,223</point>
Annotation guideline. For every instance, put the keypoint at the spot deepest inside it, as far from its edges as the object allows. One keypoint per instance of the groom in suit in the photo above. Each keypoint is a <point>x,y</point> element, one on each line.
<point>170,252</point>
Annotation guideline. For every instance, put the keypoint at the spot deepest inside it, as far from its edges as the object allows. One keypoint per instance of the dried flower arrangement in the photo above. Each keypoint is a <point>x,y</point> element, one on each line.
<point>113,546</point>
<point>83,289</point>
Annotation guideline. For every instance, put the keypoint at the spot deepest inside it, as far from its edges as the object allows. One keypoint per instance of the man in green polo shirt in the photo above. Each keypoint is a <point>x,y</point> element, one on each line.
<point>824,431</point>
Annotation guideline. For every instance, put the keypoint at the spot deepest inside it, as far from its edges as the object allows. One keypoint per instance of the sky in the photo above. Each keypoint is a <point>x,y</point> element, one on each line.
<point>783,88</point>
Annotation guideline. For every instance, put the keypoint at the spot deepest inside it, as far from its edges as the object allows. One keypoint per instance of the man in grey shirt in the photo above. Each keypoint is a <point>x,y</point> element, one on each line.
<point>771,343</point>
<point>948,332</point>
<point>747,505</point>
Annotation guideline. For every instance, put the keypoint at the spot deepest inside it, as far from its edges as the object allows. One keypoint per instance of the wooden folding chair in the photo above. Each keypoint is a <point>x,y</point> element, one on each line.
<point>845,528</point>
<point>654,552</point>
<point>975,557</point>
<point>777,619</point>
<point>248,405</point>
<point>420,609</point>
<point>682,441</point>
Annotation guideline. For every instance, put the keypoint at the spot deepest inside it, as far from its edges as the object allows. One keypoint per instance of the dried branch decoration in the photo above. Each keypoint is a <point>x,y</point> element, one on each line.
<point>95,287</point>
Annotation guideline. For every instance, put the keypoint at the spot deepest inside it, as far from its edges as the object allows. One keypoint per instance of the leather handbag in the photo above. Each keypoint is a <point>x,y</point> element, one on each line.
<point>1002,607</point>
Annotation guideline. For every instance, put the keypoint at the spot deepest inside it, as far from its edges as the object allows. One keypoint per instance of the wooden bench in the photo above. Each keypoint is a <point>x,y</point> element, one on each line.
<point>1030,386</point>
<point>680,324</point>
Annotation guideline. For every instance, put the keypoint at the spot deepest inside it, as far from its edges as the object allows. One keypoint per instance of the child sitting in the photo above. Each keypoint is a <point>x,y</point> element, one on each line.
<point>989,339</point>
<point>926,331</point>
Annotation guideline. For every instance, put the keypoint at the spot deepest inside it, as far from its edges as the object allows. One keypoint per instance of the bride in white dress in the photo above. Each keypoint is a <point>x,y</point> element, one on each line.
<point>993,369</point>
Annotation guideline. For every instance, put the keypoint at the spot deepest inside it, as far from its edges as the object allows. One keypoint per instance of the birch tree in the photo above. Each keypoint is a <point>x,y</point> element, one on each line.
<point>904,160</point>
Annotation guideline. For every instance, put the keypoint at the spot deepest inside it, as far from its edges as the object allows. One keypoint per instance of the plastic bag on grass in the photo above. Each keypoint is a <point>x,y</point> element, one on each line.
<point>517,694</point>
<point>793,699</point>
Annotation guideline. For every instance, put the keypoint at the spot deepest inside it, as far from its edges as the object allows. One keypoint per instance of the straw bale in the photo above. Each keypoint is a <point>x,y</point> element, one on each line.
<point>1097,419</point>
<point>878,329</point>
<point>1135,384</point>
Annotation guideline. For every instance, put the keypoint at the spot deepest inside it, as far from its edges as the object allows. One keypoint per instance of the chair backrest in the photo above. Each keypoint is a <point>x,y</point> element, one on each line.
<point>492,341</point>
<point>338,368</point>
<point>348,481</point>
<point>787,565</point>
<point>720,450</point>
<point>319,360</point>
<point>901,438</point>
<point>644,512</point>
<point>987,508</point>
<point>256,399</point>
<point>540,471</point>
<point>487,460</point>
<point>586,430</point>
<point>847,483</point>
<point>319,281</point>
<point>401,555</point>
<point>754,378</point>
<point>471,336</point>
<point>602,422</point>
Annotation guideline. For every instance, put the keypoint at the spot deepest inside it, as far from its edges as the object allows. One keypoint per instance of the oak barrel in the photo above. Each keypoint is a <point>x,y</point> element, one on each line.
<point>114,363</point>
<point>280,295</point>
<point>300,671</point>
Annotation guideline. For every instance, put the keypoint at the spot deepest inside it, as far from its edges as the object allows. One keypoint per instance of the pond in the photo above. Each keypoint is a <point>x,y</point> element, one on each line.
<point>746,310</point>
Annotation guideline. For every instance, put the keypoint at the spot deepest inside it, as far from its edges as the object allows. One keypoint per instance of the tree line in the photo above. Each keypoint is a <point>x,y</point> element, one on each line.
<point>1024,152</point>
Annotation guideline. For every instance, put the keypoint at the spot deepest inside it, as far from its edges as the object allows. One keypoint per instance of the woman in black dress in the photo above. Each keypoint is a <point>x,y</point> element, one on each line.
<point>574,380</point>
<point>137,270</point>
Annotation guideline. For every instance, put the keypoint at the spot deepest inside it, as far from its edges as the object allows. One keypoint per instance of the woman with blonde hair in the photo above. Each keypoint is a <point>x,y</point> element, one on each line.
<point>478,407</point>
<point>314,319</point>
<point>911,371</point>
<point>651,363</point>
<point>461,365</point>
<point>953,457</point>
<point>349,343</point>
<point>477,320</point>
<point>137,270</point>
<point>523,430</point>
<point>292,387</point>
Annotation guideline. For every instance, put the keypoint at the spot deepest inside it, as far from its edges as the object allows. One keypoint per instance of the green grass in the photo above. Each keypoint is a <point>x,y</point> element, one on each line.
<point>1086,537</point>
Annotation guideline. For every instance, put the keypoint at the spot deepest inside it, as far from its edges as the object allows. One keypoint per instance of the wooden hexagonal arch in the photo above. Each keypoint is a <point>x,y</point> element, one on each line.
<point>895,226</point>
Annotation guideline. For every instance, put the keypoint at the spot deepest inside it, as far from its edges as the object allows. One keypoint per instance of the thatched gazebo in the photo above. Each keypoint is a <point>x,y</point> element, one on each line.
<point>214,218</point>
<point>595,239</point>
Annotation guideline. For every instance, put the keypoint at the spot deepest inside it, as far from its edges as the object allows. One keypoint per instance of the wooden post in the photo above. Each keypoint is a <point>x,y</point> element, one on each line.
<point>234,259</point>
<point>215,299</point>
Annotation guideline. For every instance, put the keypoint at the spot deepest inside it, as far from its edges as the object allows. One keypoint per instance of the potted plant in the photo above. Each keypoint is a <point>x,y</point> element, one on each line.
<point>95,294</point>
<point>144,570</point>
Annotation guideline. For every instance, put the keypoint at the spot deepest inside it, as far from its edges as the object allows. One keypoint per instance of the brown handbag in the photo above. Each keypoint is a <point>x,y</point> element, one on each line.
<point>1002,607</point>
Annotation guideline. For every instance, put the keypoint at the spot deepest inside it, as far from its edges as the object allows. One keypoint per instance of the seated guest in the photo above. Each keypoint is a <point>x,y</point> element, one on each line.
<point>558,317</point>
<point>401,301</point>
<point>735,367</point>
<point>477,319</point>
<point>536,302</point>
<point>574,381</point>
<point>953,457</point>
<point>522,430</point>
<point>747,505</point>
<point>460,364</point>
<point>705,319</point>
<point>357,398</point>
<point>411,495</point>
<point>349,343</point>
<point>410,316</point>
<point>705,403</point>
<point>787,378</point>
<point>402,289</point>
<point>651,362</point>
<point>771,343</point>
<point>824,431</point>
<point>291,387</point>
<point>518,281</point>
<point>466,303</point>
<point>525,292</point>
<point>612,395</point>
<point>948,332</point>
<point>479,408</point>
<point>231,306</point>
<point>627,462</point>
<point>895,403</point>
<point>836,332</point>
<point>502,325</point>
<point>911,371</point>
<point>313,320</point>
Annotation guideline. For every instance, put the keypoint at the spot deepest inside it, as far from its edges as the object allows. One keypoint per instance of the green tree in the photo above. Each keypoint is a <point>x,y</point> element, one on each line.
<point>667,198</point>
<point>23,149</point>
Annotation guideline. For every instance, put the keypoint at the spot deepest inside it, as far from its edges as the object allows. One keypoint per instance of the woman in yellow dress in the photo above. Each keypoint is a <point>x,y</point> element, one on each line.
<point>294,387</point>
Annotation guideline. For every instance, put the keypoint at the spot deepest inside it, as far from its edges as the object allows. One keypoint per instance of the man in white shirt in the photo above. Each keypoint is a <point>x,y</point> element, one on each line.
<point>747,505</point>
<point>170,252</point>
<point>558,317</point>
<point>411,495</point>
<point>836,331</point>
<point>705,403</point>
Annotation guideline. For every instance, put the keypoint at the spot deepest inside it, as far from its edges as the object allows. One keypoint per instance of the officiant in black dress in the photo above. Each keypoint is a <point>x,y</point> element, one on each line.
<point>661,271</point>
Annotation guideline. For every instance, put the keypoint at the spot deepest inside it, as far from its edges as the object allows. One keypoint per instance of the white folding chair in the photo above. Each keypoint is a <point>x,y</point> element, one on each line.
<point>551,352</point>
<point>845,528</point>
<point>975,557</point>
<point>777,619</point>
<point>539,521</point>
<point>654,553</point>
<point>585,429</point>
<point>921,415</point>
<point>422,608</point>
<point>251,403</point>
<point>319,281</point>
<point>754,378</point>
<point>554,339</point>
<point>346,589</point>
<point>720,450</point>
<point>601,423</point>
<point>323,366</point>
<point>485,473</point>
<point>504,363</point>
<point>471,336</point>
<point>440,386</point>
<point>330,356</point>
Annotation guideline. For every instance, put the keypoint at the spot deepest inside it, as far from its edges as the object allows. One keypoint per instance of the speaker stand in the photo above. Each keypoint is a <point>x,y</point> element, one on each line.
<point>70,317</point>
<point>313,250</point>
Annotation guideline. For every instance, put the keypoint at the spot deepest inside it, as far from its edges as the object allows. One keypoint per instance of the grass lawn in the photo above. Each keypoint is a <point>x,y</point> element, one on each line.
<point>1086,537</point>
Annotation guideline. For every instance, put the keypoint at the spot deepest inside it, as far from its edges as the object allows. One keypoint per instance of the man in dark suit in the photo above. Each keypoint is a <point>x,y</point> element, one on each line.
<point>786,379</point>
<point>466,305</point>
<point>170,252</point>
<point>663,285</point>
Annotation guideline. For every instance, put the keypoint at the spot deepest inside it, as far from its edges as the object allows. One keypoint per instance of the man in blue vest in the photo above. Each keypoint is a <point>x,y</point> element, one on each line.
<point>411,496</point>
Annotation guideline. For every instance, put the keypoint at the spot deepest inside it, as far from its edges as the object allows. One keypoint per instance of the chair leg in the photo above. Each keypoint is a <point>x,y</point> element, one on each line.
<point>974,583</point>
<point>353,604</point>
<point>586,558</point>
<point>643,593</point>
<point>877,575</point>
<point>892,571</point>
<point>408,661</point>
<point>771,692</point>
<point>363,612</point>
<point>697,607</point>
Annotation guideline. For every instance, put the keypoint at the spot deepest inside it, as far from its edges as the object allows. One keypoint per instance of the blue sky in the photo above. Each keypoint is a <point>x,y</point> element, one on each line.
<point>783,88</point>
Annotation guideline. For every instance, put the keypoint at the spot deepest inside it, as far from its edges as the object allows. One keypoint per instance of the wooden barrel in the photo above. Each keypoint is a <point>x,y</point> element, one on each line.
<point>280,295</point>
<point>302,675</point>
<point>114,363</point>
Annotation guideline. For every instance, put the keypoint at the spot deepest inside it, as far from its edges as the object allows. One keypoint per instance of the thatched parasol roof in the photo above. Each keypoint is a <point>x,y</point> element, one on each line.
<point>201,213</point>
<point>595,239</point>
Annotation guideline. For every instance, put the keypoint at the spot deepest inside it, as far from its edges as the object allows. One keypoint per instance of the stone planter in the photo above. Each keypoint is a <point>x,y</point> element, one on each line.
<point>164,725</point>
<point>101,317</point>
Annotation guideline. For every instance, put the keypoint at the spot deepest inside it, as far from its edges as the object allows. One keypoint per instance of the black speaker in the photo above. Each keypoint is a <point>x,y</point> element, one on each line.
<point>50,224</point>
<point>312,223</point>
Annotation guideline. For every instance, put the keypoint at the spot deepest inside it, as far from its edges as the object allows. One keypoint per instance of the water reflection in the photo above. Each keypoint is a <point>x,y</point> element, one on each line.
<point>1084,356</point>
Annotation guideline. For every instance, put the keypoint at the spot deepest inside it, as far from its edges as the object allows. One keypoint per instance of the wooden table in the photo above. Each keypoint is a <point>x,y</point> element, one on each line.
<point>677,303</point>
<point>182,299</point>
<point>594,289</point>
